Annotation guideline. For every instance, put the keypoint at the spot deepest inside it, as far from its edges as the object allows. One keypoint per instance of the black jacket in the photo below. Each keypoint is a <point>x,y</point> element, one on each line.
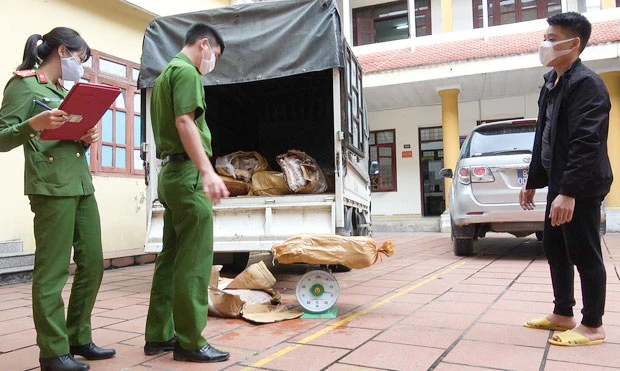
<point>580,166</point>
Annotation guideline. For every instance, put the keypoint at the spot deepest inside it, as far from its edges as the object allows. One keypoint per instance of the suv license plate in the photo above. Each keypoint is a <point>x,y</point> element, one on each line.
<point>522,176</point>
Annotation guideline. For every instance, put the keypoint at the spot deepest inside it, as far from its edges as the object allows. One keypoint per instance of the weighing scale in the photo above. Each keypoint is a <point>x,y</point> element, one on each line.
<point>317,292</point>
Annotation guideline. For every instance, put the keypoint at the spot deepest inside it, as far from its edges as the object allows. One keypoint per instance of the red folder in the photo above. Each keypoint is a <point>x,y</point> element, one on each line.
<point>90,101</point>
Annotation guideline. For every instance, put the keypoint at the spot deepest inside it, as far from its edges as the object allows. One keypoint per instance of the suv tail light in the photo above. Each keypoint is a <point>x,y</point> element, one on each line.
<point>464,175</point>
<point>475,174</point>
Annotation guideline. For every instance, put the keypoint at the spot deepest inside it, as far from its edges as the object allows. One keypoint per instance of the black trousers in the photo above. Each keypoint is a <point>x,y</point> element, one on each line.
<point>577,244</point>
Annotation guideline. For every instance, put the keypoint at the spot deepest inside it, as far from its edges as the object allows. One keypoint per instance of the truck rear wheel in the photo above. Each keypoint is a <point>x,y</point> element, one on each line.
<point>349,215</point>
<point>337,268</point>
<point>240,261</point>
<point>233,263</point>
<point>360,226</point>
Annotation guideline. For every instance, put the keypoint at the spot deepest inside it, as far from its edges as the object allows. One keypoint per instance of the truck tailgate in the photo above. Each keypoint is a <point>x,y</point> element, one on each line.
<point>255,223</point>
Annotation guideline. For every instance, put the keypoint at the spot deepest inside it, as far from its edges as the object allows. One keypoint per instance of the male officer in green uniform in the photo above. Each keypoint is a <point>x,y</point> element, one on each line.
<point>187,186</point>
<point>59,186</point>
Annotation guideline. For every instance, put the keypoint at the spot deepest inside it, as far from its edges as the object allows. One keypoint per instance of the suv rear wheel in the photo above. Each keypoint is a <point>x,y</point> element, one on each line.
<point>463,239</point>
<point>463,246</point>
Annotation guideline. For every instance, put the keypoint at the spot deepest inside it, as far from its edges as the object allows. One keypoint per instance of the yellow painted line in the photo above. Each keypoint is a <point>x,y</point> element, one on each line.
<point>348,319</point>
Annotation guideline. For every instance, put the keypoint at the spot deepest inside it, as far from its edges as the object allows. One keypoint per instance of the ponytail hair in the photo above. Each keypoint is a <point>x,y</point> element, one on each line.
<point>36,53</point>
<point>30,53</point>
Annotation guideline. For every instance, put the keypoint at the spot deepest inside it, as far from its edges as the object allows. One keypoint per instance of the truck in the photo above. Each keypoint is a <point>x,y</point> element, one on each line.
<point>287,80</point>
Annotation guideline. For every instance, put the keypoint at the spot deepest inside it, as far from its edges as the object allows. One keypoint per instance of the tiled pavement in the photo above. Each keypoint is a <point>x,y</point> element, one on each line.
<point>421,309</point>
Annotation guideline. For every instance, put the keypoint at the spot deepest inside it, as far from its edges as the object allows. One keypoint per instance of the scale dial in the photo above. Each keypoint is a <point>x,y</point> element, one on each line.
<point>317,291</point>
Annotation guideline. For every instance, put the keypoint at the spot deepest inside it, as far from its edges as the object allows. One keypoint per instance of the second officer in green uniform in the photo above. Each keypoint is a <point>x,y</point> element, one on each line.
<point>187,186</point>
<point>59,186</point>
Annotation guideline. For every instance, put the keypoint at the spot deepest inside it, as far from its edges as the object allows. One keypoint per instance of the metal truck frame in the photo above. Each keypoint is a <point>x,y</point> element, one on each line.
<point>329,81</point>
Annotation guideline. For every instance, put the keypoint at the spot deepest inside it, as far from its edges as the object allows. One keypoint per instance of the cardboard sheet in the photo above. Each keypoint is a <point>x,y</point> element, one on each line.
<point>253,299</point>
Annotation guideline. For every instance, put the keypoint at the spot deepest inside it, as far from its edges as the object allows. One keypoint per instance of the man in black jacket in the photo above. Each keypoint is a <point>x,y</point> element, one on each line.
<point>570,157</point>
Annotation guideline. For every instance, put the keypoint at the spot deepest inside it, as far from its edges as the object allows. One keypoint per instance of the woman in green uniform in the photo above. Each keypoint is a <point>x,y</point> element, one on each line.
<point>59,187</point>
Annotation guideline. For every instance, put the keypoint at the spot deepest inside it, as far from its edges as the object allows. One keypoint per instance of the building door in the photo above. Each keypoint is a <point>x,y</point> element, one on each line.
<point>431,161</point>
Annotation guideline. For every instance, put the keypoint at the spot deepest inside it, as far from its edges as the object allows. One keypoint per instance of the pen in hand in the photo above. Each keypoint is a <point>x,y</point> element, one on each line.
<point>41,104</point>
<point>50,118</point>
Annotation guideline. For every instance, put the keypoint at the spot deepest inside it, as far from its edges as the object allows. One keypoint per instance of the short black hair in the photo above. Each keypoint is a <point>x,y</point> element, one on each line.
<point>575,24</point>
<point>200,30</point>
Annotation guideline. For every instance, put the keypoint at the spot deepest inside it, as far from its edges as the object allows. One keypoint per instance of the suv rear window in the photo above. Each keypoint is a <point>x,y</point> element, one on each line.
<point>500,140</point>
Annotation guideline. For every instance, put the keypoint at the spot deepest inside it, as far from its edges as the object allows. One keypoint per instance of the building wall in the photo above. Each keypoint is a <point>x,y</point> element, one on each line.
<point>462,16</point>
<point>112,27</point>
<point>406,121</point>
<point>407,199</point>
<point>436,18</point>
<point>462,11</point>
<point>167,7</point>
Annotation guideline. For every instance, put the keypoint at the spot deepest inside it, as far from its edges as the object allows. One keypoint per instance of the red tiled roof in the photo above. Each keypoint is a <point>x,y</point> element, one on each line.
<point>464,50</point>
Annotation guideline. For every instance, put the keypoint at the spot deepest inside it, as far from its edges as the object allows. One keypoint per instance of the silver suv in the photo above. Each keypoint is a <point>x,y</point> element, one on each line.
<point>491,170</point>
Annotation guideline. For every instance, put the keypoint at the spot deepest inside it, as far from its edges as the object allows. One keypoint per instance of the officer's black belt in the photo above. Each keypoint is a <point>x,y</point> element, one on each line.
<point>174,157</point>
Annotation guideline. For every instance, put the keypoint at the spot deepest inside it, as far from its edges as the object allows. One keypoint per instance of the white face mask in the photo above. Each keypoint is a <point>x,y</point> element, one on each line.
<point>207,65</point>
<point>547,53</point>
<point>72,70</point>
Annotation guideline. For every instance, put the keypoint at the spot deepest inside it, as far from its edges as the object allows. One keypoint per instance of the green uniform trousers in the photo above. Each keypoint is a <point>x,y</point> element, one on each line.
<point>59,224</point>
<point>179,297</point>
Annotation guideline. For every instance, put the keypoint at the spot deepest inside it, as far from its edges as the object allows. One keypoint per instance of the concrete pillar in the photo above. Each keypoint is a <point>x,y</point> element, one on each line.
<point>412,28</point>
<point>608,4</point>
<point>612,81</point>
<point>347,26</point>
<point>447,22</point>
<point>450,125</point>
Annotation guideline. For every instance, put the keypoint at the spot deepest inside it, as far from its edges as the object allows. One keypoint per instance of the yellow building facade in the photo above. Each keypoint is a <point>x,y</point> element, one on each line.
<point>114,29</point>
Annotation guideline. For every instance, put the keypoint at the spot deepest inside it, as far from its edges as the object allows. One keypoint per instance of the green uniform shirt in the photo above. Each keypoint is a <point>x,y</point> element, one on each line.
<point>53,168</point>
<point>177,91</point>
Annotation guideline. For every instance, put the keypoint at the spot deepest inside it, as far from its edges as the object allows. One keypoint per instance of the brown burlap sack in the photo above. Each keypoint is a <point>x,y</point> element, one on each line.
<point>302,172</point>
<point>235,187</point>
<point>352,252</point>
<point>269,183</point>
<point>240,165</point>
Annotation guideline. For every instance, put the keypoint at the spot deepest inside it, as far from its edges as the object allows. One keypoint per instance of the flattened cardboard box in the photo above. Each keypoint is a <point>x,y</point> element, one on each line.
<point>249,296</point>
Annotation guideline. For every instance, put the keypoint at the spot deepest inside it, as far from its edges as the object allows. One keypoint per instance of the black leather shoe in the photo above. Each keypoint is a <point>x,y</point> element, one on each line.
<point>156,347</point>
<point>62,363</point>
<point>92,352</point>
<point>203,355</point>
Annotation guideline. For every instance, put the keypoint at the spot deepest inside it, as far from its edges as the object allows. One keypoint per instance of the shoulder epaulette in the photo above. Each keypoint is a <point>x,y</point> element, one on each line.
<point>25,73</point>
<point>41,78</point>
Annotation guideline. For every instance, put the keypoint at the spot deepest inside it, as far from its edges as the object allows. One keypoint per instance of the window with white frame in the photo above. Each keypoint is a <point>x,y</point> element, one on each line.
<point>118,152</point>
<point>515,11</point>
<point>383,150</point>
<point>389,21</point>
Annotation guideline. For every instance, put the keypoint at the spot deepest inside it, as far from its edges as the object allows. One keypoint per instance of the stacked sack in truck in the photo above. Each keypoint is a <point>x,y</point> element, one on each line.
<point>302,173</point>
<point>237,168</point>
<point>247,173</point>
<point>269,183</point>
